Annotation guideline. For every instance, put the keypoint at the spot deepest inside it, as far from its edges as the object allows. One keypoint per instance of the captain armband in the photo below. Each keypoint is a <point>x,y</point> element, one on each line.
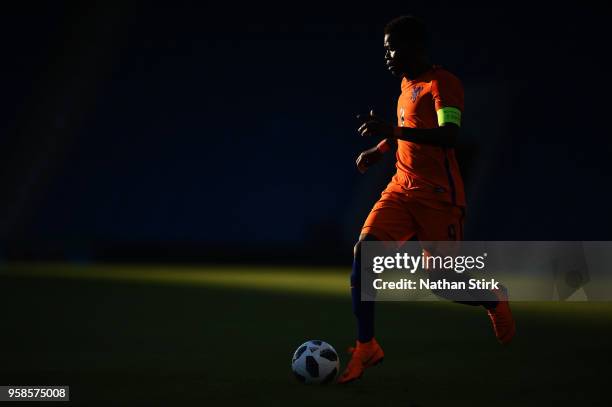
<point>449,115</point>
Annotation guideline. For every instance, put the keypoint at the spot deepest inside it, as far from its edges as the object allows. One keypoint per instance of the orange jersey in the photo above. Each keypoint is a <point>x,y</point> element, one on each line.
<point>425,171</point>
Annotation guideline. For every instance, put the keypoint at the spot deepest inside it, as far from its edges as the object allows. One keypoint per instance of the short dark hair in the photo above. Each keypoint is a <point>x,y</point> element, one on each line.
<point>408,29</point>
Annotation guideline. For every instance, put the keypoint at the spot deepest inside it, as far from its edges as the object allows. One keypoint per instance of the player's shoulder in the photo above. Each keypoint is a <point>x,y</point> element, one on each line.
<point>444,80</point>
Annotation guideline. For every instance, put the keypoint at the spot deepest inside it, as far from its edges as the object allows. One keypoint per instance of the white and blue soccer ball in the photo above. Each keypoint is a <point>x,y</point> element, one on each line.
<point>315,362</point>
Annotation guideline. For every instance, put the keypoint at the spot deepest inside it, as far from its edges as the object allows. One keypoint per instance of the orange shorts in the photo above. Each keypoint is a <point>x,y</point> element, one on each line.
<point>397,217</point>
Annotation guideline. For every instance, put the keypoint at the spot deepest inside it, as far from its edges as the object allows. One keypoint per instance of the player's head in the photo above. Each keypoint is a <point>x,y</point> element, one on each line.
<point>405,45</point>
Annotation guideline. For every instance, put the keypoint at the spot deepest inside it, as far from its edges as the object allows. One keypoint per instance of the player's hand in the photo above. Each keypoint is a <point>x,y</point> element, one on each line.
<point>373,125</point>
<point>368,158</point>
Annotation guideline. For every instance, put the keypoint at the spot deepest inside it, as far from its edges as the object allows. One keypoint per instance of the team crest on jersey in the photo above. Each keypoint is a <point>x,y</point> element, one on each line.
<point>402,115</point>
<point>416,91</point>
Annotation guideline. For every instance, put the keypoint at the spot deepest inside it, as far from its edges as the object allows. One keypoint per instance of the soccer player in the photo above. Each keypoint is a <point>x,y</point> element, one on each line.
<point>425,199</point>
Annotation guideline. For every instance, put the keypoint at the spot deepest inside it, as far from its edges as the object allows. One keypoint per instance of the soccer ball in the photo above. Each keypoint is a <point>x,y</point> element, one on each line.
<point>315,362</point>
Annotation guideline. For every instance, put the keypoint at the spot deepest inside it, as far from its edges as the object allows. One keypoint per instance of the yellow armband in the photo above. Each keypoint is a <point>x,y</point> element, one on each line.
<point>449,115</point>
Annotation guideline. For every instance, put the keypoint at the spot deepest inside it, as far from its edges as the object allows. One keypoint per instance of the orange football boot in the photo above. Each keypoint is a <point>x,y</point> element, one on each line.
<point>501,317</point>
<point>364,355</point>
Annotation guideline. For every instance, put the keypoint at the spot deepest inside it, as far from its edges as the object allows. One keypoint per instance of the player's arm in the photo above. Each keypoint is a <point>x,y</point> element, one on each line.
<point>370,157</point>
<point>443,136</point>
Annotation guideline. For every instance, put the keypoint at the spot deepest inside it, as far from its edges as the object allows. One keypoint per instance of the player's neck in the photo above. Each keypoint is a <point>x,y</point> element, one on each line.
<point>418,70</point>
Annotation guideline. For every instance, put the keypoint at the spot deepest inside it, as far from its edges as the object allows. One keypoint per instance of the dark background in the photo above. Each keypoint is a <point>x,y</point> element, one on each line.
<point>181,131</point>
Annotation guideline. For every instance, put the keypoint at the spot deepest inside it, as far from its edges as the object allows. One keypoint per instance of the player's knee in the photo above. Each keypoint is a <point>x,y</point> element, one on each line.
<point>357,249</point>
<point>356,273</point>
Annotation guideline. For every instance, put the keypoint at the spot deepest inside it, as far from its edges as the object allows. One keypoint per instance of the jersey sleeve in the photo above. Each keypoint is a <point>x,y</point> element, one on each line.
<point>447,92</point>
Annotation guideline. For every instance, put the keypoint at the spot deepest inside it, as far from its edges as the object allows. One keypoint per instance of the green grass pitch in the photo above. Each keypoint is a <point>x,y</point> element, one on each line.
<point>155,335</point>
